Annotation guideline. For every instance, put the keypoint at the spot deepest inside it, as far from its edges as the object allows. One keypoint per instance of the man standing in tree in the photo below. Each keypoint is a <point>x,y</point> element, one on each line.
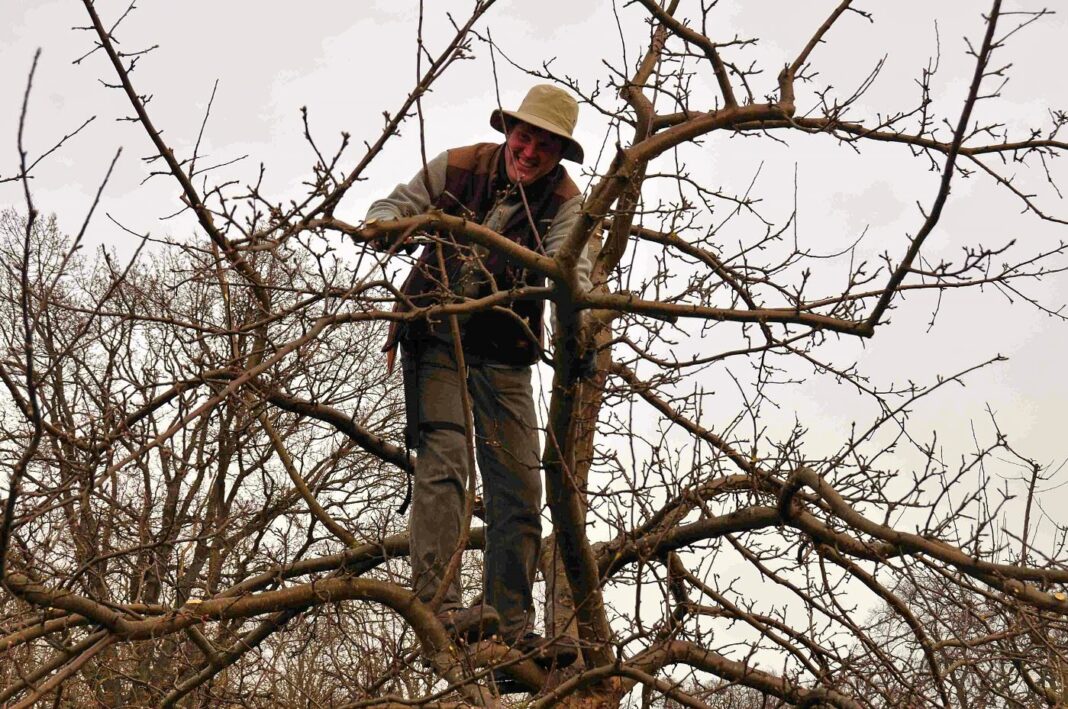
<point>520,190</point>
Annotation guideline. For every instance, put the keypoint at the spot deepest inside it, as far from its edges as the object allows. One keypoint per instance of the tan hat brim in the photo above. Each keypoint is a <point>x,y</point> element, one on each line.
<point>572,149</point>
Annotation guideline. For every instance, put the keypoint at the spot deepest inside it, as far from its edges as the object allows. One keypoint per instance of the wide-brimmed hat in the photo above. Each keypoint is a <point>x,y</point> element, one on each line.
<point>547,107</point>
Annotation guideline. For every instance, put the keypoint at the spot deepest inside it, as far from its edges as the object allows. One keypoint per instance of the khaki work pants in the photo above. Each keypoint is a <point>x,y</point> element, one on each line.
<point>506,446</point>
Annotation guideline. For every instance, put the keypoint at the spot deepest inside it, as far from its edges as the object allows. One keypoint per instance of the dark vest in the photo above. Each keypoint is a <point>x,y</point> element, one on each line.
<point>474,183</point>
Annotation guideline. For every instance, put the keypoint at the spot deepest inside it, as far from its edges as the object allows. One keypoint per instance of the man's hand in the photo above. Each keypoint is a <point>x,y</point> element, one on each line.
<point>587,368</point>
<point>383,240</point>
<point>379,242</point>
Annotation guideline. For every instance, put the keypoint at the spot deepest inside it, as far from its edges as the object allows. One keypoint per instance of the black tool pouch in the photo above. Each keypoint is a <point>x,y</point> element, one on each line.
<point>410,375</point>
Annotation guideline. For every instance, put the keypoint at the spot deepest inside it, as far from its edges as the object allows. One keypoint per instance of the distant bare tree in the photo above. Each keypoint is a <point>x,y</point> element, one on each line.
<point>205,457</point>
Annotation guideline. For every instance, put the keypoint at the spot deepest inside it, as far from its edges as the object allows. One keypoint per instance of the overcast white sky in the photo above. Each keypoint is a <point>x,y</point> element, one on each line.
<point>349,61</point>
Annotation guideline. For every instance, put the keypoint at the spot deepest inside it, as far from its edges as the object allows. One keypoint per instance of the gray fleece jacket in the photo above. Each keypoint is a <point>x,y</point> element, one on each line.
<point>416,197</point>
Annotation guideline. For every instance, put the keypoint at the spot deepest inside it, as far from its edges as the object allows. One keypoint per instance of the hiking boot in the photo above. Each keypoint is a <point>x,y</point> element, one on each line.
<point>560,651</point>
<point>507,684</point>
<point>470,624</point>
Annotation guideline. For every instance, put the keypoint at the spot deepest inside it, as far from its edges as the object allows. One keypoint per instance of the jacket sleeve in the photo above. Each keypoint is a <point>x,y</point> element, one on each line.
<point>554,239</point>
<point>557,234</point>
<point>414,197</point>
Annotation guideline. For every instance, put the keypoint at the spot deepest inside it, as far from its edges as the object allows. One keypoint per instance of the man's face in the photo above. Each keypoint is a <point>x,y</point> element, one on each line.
<point>531,152</point>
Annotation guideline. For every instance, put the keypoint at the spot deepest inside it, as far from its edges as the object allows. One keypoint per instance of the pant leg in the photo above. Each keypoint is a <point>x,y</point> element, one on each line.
<point>441,471</point>
<point>508,458</point>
